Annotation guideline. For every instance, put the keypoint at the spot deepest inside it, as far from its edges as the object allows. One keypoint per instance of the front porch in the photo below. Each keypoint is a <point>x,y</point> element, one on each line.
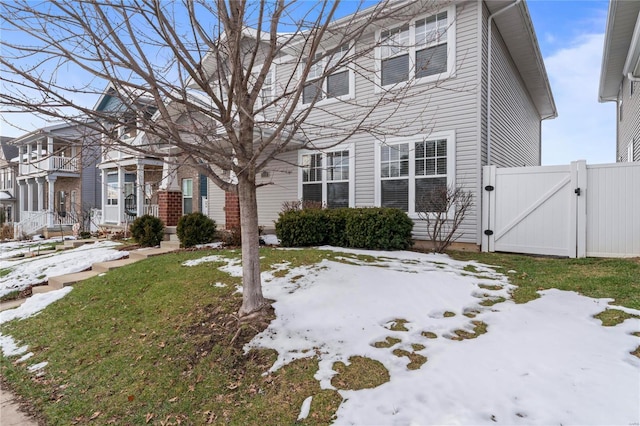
<point>129,190</point>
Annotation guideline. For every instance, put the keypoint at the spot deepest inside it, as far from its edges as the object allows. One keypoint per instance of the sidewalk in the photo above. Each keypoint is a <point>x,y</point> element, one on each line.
<point>10,414</point>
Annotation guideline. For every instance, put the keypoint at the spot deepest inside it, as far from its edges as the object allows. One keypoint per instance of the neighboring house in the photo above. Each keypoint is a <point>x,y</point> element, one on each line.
<point>479,99</point>
<point>8,171</point>
<point>56,179</point>
<point>620,75</point>
<point>136,182</point>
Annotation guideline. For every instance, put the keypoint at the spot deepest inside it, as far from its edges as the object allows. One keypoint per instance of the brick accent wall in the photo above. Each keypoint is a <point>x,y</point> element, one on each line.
<point>231,210</point>
<point>170,207</point>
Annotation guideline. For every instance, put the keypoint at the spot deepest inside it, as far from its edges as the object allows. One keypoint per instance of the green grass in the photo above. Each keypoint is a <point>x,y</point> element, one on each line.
<point>154,339</point>
<point>153,342</point>
<point>594,277</point>
<point>5,272</point>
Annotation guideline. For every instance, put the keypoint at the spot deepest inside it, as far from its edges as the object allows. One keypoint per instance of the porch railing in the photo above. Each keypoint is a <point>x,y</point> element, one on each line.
<point>151,210</point>
<point>50,164</point>
<point>32,221</point>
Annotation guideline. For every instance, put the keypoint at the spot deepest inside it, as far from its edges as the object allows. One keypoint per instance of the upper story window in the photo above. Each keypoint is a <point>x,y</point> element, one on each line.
<point>327,178</point>
<point>338,84</point>
<point>267,92</point>
<point>422,49</point>
<point>412,172</point>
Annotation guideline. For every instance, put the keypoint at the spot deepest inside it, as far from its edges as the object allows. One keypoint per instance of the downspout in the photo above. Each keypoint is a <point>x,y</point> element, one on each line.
<point>630,77</point>
<point>489,69</point>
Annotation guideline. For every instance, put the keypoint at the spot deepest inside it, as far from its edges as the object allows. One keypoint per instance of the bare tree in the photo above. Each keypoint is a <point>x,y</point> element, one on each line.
<point>196,77</point>
<point>443,209</point>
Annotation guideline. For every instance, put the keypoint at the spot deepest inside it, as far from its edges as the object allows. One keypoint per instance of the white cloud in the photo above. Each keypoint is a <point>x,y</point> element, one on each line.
<point>585,128</point>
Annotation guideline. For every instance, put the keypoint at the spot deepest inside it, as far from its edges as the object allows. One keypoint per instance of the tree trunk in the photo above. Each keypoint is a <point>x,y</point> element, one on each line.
<point>252,299</point>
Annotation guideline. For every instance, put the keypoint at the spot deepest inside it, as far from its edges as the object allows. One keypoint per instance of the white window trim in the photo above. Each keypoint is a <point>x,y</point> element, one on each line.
<point>630,152</point>
<point>325,101</point>
<point>271,71</point>
<point>352,180</point>
<point>450,136</point>
<point>451,53</point>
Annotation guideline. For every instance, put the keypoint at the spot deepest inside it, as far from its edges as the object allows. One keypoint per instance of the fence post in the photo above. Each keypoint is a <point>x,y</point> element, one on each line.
<point>488,208</point>
<point>581,209</point>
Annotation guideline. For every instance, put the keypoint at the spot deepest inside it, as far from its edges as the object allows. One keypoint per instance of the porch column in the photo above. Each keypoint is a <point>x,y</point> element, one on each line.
<point>104,196</point>
<point>29,151</point>
<point>40,182</point>
<point>30,191</point>
<point>120,194</point>
<point>140,189</point>
<point>49,146</point>
<point>39,149</point>
<point>20,198</point>
<point>52,193</point>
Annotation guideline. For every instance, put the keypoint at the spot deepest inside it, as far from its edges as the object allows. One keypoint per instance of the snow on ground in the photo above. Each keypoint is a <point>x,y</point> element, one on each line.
<point>27,271</point>
<point>11,249</point>
<point>544,362</point>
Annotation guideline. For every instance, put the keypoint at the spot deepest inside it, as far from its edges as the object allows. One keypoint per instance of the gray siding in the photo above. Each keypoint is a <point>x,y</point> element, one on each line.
<point>515,122</point>
<point>628,128</point>
<point>91,178</point>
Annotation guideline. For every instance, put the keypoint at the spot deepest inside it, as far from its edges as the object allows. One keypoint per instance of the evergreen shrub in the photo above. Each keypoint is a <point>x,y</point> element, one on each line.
<point>196,228</point>
<point>147,230</point>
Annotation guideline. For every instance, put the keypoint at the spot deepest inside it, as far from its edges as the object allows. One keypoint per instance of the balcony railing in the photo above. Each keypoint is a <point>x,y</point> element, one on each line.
<point>50,164</point>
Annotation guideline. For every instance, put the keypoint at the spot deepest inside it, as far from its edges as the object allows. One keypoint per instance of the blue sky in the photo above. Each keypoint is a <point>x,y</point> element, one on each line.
<point>570,35</point>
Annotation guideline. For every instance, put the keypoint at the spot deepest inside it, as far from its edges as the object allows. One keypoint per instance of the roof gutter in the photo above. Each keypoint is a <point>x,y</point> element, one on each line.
<point>489,70</point>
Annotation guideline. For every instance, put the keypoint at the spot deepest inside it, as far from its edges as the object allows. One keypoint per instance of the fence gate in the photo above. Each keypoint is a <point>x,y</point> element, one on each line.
<point>536,210</point>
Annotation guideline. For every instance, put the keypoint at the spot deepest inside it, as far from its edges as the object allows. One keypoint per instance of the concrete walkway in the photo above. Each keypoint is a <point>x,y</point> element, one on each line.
<point>10,414</point>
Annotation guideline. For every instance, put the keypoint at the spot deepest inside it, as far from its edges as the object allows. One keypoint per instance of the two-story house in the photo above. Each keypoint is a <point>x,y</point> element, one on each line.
<point>139,177</point>
<point>473,89</point>
<point>8,171</point>
<point>56,178</point>
<point>620,75</point>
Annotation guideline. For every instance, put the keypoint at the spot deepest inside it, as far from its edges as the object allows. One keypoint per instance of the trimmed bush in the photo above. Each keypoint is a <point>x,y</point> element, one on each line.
<point>300,228</point>
<point>370,228</point>
<point>196,228</point>
<point>147,230</point>
<point>379,229</point>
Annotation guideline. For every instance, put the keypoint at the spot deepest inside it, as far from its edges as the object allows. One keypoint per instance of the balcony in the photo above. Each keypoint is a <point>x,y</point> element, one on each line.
<point>49,165</point>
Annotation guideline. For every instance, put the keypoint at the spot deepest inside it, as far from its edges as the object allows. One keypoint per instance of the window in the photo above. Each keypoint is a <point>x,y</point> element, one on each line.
<point>187,196</point>
<point>418,50</point>
<point>413,170</point>
<point>336,85</point>
<point>112,189</point>
<point>326,178</point>
<point>267,91</point>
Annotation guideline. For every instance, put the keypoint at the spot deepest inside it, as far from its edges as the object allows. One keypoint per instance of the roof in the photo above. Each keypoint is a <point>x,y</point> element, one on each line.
<point>60,129</point>
<point>8,151</point>
<point>517,31</point>
<point>621,52</point>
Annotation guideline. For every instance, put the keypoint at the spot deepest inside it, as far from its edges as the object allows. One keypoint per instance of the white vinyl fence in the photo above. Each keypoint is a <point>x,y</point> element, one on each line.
<point>574,211</point>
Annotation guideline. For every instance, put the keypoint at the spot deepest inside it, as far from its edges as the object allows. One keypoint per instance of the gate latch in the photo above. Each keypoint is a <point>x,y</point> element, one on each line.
<point>577,191</point>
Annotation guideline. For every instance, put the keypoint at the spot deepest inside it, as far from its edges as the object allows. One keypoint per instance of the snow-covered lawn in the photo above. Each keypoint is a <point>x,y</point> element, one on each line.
<point>20,273</point>
<point>544,362</point>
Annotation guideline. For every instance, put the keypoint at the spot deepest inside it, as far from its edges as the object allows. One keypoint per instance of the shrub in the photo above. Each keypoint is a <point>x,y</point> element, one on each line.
<point>379,229</point>
<point>147,230</point>
<point>300,228</point>
<point>196,228</point>
<point>369,228</point>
